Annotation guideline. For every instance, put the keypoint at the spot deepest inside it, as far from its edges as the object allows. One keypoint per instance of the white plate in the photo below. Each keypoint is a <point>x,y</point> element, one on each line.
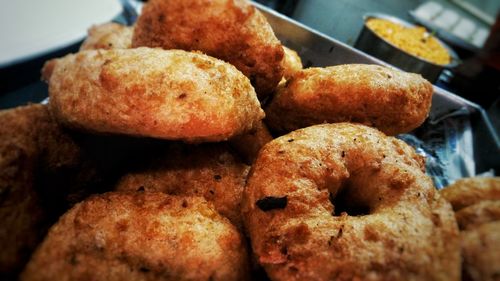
<point>30,28</point>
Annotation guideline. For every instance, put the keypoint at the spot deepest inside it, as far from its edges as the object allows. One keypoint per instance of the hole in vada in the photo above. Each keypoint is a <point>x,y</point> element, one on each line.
<point>344,203</point>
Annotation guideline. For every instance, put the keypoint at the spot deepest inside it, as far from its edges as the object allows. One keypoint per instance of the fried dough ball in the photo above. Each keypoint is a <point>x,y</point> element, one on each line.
<point>345,202</point>
<point>108,36</point>
<point>140,236</point>
<point>481,252</point>
<point>390,100</point>
<point>479,213</point>
<point>231,30</point>
<point>248,145</point>
<point>209,170</point>
<point>291,63</point>
<point>469,191</point>
<point>42,172</point>
<point>169,94</point>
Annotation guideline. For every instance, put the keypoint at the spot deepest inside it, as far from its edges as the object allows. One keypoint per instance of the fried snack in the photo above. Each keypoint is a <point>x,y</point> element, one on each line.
<point>291,63</point>
<point>345,202</point>
<point>248,145</point>
<point>231,30</point>
<point>481,252</point>
<point>108,36</point>
<point>469,191</point>
<point>140,236</point>
<point>42,170</point>
<point>390,100</point>
<point>479,213</point>
<point>209,170</point>
<point>152,92</point>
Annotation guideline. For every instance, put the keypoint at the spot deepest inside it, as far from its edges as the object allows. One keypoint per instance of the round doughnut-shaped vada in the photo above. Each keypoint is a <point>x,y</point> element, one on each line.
<point>140,236</point>
<point>168,94</point>
<point>345,202</point>
<point>231,30</point>
<point>390,100</point>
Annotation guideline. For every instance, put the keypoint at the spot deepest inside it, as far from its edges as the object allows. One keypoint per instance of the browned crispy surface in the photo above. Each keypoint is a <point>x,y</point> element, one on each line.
<point>108,36</point>
<point>481,252</point>
<point>209,170</point>
<point>479,213</point>
<point>393,101</point>
<point>140,236</point>
<point>152,92</point>
<point>42,170</point>
<point>248,145</point>
<point>21,214</point>
<point>345,202</point>
<point>232,30</point>
<point>469,191</point>
<point>291,63</point>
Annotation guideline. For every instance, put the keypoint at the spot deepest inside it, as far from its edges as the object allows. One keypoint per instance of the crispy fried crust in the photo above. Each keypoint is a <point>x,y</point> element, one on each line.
<point>477,214</point>
<point>108,36</point>
<point>248,145</point>
<point>232,30</point>
<point>152,92</point>
<point>291,63</point>
<point>387,221</point>
<point>140,236</point>
<point>481,252</point>
<point>42,170</point>
<point>392,101</point>
<point>469,191</point>
<point>21,213</point>
<point>210,170</point>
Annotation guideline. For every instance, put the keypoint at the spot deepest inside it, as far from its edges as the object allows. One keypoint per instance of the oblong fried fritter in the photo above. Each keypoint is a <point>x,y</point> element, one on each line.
<point>231,30</point>
<point>43,171</point>
<point>469,191</point>
<point>390,100</point>
<point>108,36</point>
<point>140,236</point>
<point>209,170</point>
<point>169,94</point>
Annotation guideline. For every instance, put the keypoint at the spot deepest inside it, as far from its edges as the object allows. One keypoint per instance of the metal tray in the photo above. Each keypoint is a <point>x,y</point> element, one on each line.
<point>458,139</point>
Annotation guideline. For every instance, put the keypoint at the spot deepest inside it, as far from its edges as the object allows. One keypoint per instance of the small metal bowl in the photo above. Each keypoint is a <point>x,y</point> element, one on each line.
<point>371,43</point>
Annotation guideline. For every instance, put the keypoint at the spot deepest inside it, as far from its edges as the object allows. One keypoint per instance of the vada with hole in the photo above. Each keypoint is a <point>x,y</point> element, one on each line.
<point>345,202</point>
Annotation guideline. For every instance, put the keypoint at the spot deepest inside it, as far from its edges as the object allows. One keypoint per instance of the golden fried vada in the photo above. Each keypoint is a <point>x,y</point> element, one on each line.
<point>469,191</point>
<point>291,62</point>
<point>479,213</point>
<point>212,171</point>
<point>248,145</point>
<point>231,30</point>
<point>140,236</point>
<point>345,202</point>
<point>481,252</point>
<point>168,94</point>
<point>43,171</point>
<point>108,36</point>
<point>390,100</point>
